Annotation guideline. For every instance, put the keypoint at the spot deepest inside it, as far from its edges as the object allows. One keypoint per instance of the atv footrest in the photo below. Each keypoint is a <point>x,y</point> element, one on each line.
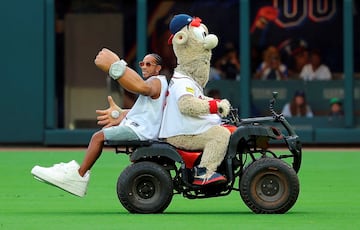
<point>127,146</point>
<point>129,143</point>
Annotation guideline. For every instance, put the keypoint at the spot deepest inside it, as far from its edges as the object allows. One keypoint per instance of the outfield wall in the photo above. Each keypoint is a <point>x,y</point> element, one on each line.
<point>318,93</point>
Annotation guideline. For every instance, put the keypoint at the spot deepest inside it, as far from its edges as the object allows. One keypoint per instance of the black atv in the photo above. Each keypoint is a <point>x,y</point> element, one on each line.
<point>268,182</point>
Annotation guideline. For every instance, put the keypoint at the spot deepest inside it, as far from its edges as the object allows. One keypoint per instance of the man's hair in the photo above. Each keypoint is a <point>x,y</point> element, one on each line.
<point>157,57</point>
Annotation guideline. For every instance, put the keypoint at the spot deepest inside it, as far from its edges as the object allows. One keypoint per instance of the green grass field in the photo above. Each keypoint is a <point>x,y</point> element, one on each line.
<point>329,197</point>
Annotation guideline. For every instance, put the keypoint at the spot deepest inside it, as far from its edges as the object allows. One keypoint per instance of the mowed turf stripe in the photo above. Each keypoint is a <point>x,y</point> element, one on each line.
<point>329,197</point>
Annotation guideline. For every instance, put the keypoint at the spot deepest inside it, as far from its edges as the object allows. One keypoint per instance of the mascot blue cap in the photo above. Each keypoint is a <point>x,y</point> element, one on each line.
<point>179,21</point>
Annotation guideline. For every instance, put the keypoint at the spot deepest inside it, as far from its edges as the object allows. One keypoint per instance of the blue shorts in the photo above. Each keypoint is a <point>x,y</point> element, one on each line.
<point>120,133</point>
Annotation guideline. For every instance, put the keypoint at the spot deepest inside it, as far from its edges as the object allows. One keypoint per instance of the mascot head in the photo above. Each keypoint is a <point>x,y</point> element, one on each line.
<point>192,45</point>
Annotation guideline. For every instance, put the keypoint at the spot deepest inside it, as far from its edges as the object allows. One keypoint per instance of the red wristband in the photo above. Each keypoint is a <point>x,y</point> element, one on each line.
<point>213,106</point>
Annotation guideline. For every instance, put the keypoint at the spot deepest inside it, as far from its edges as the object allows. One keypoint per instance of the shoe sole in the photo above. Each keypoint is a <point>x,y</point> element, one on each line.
<point>66,187</point>
<point>39,179</point>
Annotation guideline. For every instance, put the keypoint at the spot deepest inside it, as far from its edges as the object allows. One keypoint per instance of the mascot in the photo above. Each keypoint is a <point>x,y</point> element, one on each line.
<point>191,120</point>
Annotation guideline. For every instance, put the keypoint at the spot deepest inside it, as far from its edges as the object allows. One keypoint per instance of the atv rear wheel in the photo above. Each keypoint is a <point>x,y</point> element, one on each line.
<point>269,185</point>
<point>145,187</point>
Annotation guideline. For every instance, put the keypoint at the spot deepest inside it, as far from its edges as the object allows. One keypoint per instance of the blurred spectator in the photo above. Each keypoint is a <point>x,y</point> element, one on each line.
<point>298,106</point>
<point>295,55</point>
<point>271,68</point>
<point>214,74</point>
<point>336,110</point>
<point>301,58</point>
<point>315,70</point>
<point>229,65</point>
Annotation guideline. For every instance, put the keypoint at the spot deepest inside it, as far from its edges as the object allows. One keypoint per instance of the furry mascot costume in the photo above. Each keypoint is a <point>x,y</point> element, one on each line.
<point>191,120</point>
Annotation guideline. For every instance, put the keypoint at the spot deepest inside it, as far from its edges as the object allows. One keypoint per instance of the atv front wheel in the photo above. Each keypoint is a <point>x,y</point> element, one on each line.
<point>269,185</point>
<point>145,187</point>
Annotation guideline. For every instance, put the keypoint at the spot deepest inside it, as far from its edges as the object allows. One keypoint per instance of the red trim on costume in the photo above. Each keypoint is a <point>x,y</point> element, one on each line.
<point>170,39</point>
<point>213,106</point>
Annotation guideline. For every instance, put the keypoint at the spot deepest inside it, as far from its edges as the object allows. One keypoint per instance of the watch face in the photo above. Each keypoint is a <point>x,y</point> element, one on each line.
<point>116,70</point>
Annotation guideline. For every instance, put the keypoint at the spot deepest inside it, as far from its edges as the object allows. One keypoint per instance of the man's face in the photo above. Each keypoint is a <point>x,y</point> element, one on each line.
<point>149,67</point>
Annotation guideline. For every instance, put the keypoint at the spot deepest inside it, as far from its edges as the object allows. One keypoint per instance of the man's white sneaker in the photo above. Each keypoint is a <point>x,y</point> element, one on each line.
<point>64,176</point>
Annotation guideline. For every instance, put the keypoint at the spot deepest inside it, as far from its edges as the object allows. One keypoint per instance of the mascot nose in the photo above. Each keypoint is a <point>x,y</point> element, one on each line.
<point>211,41</point>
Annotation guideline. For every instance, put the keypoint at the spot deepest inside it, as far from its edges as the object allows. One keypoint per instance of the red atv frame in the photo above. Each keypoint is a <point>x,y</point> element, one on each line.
<point>268,182</point>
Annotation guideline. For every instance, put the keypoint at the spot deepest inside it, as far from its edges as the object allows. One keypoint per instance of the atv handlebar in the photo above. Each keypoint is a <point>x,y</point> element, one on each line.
<point>233,117</point>
<point>280,117</point>
<point>271,106</point>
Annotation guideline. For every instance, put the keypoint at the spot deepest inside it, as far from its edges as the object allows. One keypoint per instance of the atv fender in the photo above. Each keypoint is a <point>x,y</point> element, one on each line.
<point>157,150</point>
<point>246,131</point>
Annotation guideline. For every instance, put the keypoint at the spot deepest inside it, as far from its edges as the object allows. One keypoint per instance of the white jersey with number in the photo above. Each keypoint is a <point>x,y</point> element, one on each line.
<point>174,122</point>
<point>145,116</point>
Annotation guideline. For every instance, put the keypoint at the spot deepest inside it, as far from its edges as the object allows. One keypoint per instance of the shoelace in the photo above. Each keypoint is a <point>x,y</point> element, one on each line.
<point>61,165</point>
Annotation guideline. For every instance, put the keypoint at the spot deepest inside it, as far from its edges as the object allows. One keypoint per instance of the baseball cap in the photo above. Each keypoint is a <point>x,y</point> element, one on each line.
<point>335,100</point>
<point>177,23</point>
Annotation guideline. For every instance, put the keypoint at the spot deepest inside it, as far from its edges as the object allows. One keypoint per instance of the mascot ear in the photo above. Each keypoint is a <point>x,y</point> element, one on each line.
<point>180,38</point>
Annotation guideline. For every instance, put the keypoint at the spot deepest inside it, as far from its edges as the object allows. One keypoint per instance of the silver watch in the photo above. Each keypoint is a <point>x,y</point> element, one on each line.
<point>117,69</point>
